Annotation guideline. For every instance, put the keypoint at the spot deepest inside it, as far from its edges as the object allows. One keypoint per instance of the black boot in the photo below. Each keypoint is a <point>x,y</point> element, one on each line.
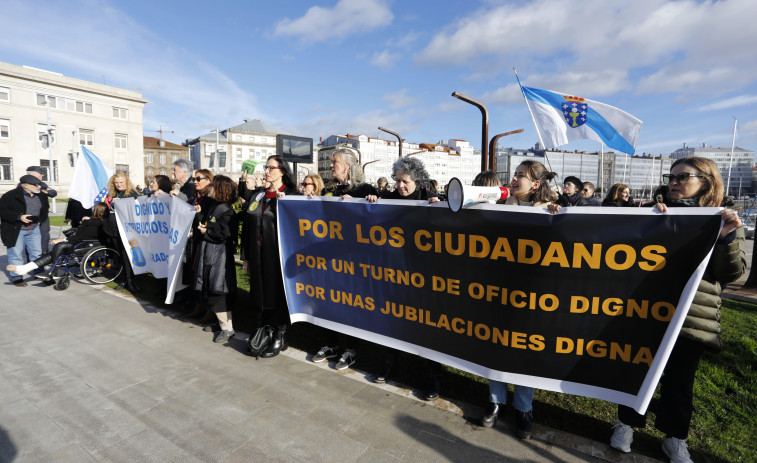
<point>276,345</point>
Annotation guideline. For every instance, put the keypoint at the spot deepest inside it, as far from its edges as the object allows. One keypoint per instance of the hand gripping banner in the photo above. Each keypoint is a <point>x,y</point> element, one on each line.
<point>588,301</point>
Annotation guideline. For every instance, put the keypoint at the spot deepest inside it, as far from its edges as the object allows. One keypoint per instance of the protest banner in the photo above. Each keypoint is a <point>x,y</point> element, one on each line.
<point>154,231</point>
<point>588,301</point>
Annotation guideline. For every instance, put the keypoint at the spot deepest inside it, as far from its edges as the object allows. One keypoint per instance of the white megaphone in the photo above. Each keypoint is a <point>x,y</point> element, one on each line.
<point>459,195</point>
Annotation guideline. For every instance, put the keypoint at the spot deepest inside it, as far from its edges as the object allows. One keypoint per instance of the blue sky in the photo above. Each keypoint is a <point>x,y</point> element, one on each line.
<point>315,68</point>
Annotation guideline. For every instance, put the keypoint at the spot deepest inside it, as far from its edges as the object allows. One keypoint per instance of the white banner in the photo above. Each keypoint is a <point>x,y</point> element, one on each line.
<point>154,230</point>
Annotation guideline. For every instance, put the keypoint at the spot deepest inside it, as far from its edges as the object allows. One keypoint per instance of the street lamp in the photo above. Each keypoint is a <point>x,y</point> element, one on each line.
<point>484,127</point>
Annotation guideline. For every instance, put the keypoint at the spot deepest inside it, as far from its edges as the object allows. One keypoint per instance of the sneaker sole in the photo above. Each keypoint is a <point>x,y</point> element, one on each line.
<point>340,368</point>
<point>321,360</point>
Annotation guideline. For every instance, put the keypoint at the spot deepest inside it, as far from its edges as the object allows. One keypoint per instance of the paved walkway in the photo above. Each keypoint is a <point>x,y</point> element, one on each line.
<point>90,374</point>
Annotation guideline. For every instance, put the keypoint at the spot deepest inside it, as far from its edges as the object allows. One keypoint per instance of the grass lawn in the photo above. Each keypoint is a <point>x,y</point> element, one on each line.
<point>724,428</point>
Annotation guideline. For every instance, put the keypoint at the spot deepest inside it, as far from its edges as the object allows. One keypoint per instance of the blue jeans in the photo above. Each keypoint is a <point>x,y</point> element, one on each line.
<point>31,240</point>
<point>522,398</point>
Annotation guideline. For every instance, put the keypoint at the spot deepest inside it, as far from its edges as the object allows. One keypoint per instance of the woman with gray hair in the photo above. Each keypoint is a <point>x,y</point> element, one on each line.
<point>347,177</point>
<point>412,181</point>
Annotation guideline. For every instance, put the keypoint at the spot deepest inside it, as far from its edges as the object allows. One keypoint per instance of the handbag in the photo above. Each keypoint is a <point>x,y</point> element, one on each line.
<point>258,342</point>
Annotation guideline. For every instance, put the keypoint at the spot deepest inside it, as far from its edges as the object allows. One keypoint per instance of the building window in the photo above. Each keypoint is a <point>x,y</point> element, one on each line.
<point>150,158</point>
<point>123,168</point>
<point>5,94</point>
<point>163,171</point>
<point>150,171</point>
<point>120,141</point>
<point>45,165</point>
<point>265,140</point>
<point>42,134</point>
<point>5,129</point>
<point>87,138</point>
<point>6,169</point>
<point>120,113</point>
<point>239,153</point>
<point>41,100</point>
<point>174,157</point>
<point>162,158</point>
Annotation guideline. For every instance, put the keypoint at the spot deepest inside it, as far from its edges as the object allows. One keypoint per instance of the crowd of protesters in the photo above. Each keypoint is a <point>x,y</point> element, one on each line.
<point>209,269</point>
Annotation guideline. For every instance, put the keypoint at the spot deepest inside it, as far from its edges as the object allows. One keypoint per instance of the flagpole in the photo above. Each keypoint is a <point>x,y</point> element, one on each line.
<point>529,109</point>
<point>730,163</point>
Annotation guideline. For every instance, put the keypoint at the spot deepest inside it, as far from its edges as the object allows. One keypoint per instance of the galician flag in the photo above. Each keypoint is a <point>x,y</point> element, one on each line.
<point>90,183</point>
<point>562,118</point>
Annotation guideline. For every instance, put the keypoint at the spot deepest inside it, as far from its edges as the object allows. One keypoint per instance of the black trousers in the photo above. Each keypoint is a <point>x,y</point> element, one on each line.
<point>58,250</point>
<point>676,403</point>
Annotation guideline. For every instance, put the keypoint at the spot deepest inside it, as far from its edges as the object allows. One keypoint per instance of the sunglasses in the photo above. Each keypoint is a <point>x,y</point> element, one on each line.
<point>586,190</point>
<point>197,179</point>
<point>683,177</point>
<point>306,184</point>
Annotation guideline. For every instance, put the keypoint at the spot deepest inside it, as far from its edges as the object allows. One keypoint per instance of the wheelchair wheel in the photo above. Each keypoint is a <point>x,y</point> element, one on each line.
<point>62,283</point>
<point>101,265</point>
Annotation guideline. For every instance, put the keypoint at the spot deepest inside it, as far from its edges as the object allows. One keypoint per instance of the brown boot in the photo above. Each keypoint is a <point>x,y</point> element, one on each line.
<point>198,311</point>
<point>208,317</point>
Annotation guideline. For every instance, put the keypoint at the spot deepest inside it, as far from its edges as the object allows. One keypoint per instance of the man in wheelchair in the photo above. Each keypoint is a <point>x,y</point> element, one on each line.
<point>90,230</point>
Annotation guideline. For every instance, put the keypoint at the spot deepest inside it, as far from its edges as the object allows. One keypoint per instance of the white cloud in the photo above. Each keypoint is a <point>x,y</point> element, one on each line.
<point>399,99</point>
<point>683,46</point>
<point>128,56</point>
<point>385,59</point>
<point>346,18</point>
<point>749,127</point>
<point>734,102</point>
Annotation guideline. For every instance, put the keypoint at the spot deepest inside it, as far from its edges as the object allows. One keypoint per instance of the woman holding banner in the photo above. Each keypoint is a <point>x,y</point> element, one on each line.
<point>260,252</point>
<point>529,187</point>
<point>692,182</point>
<point>119,186</point>
<point>412,182</point>
<point>215,275</point>
<point>346,182</point>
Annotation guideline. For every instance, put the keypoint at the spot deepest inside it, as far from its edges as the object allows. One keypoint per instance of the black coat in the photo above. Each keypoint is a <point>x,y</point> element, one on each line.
<point>356,190</point>
<point>12,207</point>
<point>92,229</point>
<point>260,248</point>
<point>214,271</point>
<point>574,200</point>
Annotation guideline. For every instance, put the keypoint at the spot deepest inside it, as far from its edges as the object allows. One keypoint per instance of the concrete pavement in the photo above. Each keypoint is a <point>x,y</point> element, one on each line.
<point>90,374</point>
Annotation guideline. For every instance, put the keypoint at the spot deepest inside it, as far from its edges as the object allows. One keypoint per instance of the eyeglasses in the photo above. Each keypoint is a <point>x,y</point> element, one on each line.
<point>197,179</point>
<point>271,167</point>
<point>683,177</point>
<point>586,190</point>
<point>306,184</point>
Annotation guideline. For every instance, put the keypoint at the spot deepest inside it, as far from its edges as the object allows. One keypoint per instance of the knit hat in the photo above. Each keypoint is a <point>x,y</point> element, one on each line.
<point>574,180</point>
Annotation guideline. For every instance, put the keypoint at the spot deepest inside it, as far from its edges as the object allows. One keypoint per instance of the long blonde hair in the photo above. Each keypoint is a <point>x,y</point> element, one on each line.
<point>112,192</point>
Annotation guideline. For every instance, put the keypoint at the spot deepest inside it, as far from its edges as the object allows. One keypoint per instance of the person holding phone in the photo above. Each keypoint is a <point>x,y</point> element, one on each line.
<point>21,212</point>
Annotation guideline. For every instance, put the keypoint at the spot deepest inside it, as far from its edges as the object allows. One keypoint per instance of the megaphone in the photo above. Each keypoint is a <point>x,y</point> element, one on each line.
<point>459,195</point>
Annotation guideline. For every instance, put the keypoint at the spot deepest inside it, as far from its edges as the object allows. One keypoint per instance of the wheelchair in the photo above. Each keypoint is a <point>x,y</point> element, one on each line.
<point>89,260</point>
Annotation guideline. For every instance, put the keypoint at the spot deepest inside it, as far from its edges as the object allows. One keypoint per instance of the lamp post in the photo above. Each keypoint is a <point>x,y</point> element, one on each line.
<point>214,163</point>
<point>484,127</point>
<point>493,148</point>
<point>399,139</point>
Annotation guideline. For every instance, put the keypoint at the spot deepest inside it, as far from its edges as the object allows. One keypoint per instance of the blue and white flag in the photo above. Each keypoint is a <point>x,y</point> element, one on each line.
<point>562,118</point>
<point>90,183</point>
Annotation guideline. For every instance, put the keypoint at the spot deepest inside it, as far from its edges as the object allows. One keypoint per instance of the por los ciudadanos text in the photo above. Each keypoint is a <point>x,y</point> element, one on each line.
<point>573,302</point>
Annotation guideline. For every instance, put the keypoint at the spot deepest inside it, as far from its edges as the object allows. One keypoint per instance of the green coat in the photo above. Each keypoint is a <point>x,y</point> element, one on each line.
<point>727,264</point>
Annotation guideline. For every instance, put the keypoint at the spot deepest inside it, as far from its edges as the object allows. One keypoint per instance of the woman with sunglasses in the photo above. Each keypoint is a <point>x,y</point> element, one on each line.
<point>260,252</point>
<point>201,179</point>
<point>215,277</point>
<point>312,185</point>
<point>692,182</point>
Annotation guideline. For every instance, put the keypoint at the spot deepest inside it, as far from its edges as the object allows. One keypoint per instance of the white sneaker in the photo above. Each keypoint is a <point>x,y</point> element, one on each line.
<point>622,437</point>
<point>676,450</point>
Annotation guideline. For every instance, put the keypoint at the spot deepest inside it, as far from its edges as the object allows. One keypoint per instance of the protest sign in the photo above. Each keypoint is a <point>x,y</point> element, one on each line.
<point>154,231</point>
<point>588,301</point>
